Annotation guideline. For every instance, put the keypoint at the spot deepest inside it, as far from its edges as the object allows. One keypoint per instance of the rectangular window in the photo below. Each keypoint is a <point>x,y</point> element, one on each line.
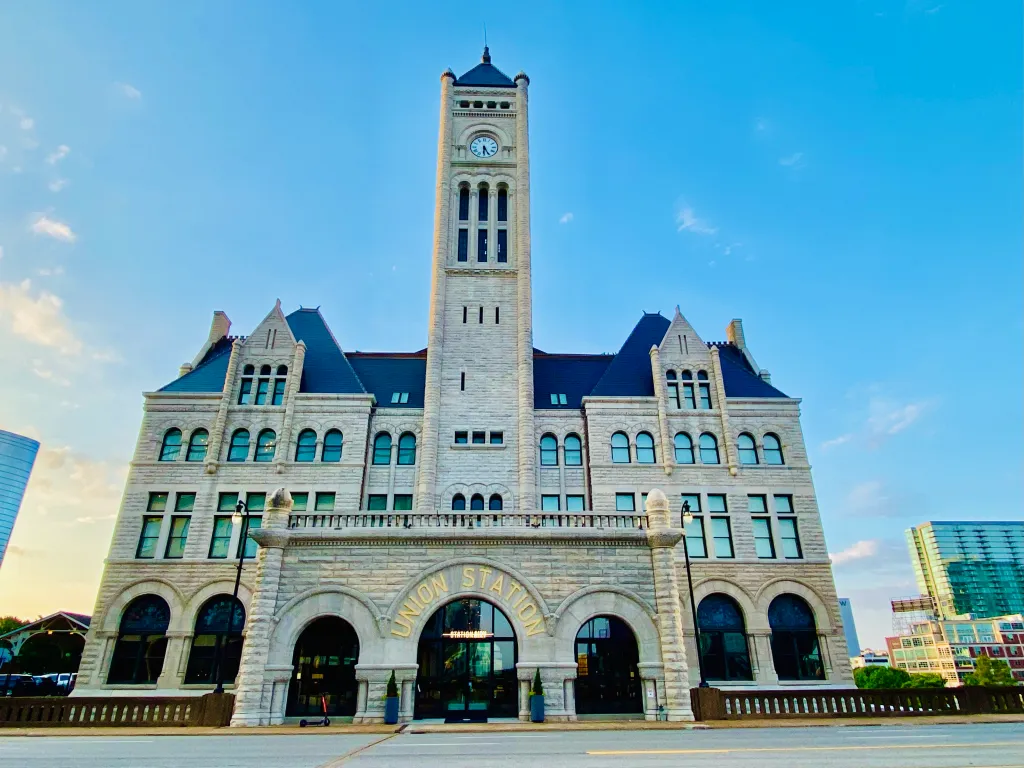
<point>226,502</point>
<point>403,502</point>
<point>254,502</point>
<point>574,503</point>
<point>325,501</point>
<point>497,315</point>
<point>184,502</point>
<point>691,500</point>
<point>503,245</point>
<point>481,210</point>
<point>625,502</point>
<point>221,536</point>
<point>299,501</point>
<point>673,395</point>
<point>244,391</point>
<point>763,544</point>
<point>157,502</point>
<point>783,505</point>
<point>716,503</point>
<point>503,196</point>
<point>705,395</point>
<point>461,438</point>
<point>462,382</point>
<point>481,245</point>
<point>757,505</point>
<point>278,397</point>
<point>463,245</point>
<point>262,387</point>
<point>695,546</point>
<point>176,539</point>
<point>688,396</point>
<point>394,397</point>
<point>479,437</point>
<point>549,504</point>
<point>377,502</point>
<point>790,538</point>
<point>554,399</point>
<point>497,438</point>
<point>722,536</point>
<point>149,537</point>
<point>255,523</point>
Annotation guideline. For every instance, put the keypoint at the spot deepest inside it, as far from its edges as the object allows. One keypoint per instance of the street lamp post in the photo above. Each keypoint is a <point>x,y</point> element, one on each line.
<point>687,519</point>
<point>241,517</point>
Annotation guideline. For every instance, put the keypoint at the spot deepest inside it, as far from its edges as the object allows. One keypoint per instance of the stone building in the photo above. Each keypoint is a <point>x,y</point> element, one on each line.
<point>470,513</point>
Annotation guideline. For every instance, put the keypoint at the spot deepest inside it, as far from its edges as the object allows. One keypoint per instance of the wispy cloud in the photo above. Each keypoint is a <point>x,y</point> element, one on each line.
<point>859,551</point>
<point>936,9</point>
<point>841,440</point>
<point>46,374</point>
<point>39,319</point>
<point>58,154</point>
<point>26,123</point>
<point>794,160</point>
<point>129,90</point>
<point>58,184</point>
<point>687,221</point>
<point>566,218</point>
<point>44,225</point>
<point>887,417</point>
<point>50,271</point>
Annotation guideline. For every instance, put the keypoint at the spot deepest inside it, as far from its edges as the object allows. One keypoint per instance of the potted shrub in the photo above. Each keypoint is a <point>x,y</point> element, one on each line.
<point>391,701</point>
<point>537,699</point>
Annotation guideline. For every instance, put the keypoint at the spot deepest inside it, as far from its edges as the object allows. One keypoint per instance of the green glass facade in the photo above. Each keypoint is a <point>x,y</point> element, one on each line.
<point>970,569</point>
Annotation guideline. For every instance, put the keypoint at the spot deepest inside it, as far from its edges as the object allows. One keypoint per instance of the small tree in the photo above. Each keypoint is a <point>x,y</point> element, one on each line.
<point>926,680</point>
<point>538,686</point>
<point>392,692</point>
<point>11,623</point>
<point>881,677</point>
<point>990,673</point>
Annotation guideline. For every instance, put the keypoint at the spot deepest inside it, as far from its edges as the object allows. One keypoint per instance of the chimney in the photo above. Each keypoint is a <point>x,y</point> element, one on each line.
<point>185,368</point>
<point>734,332</point>
<point>765,376</point>
<point>221,325</point>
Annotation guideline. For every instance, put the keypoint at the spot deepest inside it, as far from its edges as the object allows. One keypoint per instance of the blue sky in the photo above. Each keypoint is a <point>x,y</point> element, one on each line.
<point>845,177</point>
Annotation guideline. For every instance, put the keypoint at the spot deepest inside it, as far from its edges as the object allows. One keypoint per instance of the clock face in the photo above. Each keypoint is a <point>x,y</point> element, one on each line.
<point>484,146</point>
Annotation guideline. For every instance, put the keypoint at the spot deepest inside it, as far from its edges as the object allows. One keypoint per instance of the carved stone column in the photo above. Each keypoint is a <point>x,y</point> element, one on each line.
<point>719,384</point>
<point>219,422</point>
<point>662,539</point>
<point>284,450</point>
<point>258,690</point>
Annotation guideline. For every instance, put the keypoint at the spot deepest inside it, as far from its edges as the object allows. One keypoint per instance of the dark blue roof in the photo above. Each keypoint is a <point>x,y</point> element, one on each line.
<point>740,379</point>
<point>209,373</point>
<point>325,369</point>
<point>486,74</point>
<point>629,374</point>
<point>385,374</point>
<point>571,375</point>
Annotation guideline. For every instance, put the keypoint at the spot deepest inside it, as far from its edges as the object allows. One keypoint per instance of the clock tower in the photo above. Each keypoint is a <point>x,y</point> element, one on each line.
<point>478,429</point>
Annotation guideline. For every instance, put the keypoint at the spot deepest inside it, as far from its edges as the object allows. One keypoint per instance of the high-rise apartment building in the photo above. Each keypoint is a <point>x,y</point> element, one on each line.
<point>17,455</point>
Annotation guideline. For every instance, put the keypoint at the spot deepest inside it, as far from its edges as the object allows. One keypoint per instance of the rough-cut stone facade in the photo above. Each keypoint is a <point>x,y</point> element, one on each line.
<point>384,570</point>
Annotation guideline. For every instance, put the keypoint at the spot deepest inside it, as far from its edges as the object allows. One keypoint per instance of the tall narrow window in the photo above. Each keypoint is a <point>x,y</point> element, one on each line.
<point>772,449</point>
<point>673,389</point>
<point>462,382</point>
<point>573,451</point>
<point>463,245</point>
<point>382,449</point>
<point>502,204</point>
<point>239,448</point>
<point>278,396</point>
<point>332,446</point>
<point>620,448</point>
<point>266,445</point>
<point>503,245</point>
<point>197,445</point>
<point>704,390</point>
<point>221,536</point>
<point>171,446</point>
<point>262,387</point>
<point>694,530</point>
<point>708,449</point>
<point>480,319</point>
<point>748,453</point>
<point>245,390</point>
<point>483,203</point>
<point>721,531</point>
<point>178,535</point>
<point>407,449</point>
<point>463,204</point>
<point>644,448</point>
<point>688,399</point>
<point>481,245</point>
<point>549,451</point>
<point>465,313</point>
<point>497,316</point>
<point>149,537</point>
<point>684,448</point>
<point>305,448</point>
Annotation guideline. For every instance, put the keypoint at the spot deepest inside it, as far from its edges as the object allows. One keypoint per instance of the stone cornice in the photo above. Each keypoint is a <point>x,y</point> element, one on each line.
<point>319,537</point>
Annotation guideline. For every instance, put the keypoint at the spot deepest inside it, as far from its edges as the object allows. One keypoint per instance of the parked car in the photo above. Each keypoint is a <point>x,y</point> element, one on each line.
<point>18,685</point>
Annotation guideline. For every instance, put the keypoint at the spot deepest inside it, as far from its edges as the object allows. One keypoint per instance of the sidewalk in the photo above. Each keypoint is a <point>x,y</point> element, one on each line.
<point>508,727</point>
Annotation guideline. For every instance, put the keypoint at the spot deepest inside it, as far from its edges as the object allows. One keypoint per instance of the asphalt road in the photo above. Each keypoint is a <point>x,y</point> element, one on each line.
<point>995,745</point>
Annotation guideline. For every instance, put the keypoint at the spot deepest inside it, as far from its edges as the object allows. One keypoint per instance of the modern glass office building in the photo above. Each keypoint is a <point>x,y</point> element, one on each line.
<point>17,455</point>
<point>970,569</point>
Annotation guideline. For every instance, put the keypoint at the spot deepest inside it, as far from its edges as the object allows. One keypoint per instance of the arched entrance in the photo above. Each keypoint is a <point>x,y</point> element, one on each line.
<point>607,678</point>
<point>467,663</point>
<point>723,639</point>
<point>141,642</point>
<point>795,648</point>
<point>324,664</point>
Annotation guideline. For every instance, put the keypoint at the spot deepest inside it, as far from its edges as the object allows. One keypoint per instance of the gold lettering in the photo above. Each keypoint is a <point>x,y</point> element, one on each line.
<point>498,584</point>
<point>468,579</point>
<point>401,621</point>
<point>513,588</point>
<point>439,583</point>
<point>532,608</point>
<point>422,590</point>
<point>535,627</point>
<point>410,611</point>
<point>517,602</point>
<point>483,576</point>
<point>415,601</point>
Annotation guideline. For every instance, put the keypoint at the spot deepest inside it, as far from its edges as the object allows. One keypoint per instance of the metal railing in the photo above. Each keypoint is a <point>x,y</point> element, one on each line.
<point>467,520</point>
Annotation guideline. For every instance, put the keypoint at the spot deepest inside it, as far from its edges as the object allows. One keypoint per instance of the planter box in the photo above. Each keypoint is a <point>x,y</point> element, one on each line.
<point>391,710</point>
<point>536,709</point>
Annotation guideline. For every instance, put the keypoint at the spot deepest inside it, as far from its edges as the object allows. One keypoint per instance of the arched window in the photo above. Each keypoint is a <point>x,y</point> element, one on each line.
<point>723,641</point>
<point>407,449</point>
<point>332,446</point>
<point>549,451</point>
<point>670,375</point>
<point>248,370</point>
<point>502,204</point>
<point>748,452</point>
<point>620,448</point>
<point>458,503</point>
<point>772,449</point>
<point>141,642</point>
<point>463,204</point>
<point>644,448</point>
<point>672,387</point>
<point>573,451</point>
<point>282,370</point>
<point>305,448</point>
<point>794,639</point>
<point>239,448</point>
<point>245,388</point>
<point>686,376</point>
<point>266,445</point>
<point>382,448</point>
<point>218,637</point>
<point>702,375</point>
<point>171,446</point>
<point>197,444</point>
<point>684,448</point>
<point>481,212</point>
<point>264,370</point>
<point>494,503</point>
<point>476,503</point>
<point>708,449</point>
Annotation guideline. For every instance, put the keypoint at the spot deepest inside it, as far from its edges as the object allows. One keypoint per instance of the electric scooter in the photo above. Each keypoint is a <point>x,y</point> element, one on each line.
<point>324,721</point>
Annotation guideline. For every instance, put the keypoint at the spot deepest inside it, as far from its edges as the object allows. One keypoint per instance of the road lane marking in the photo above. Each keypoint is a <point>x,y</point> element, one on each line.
<point>855,747</point>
